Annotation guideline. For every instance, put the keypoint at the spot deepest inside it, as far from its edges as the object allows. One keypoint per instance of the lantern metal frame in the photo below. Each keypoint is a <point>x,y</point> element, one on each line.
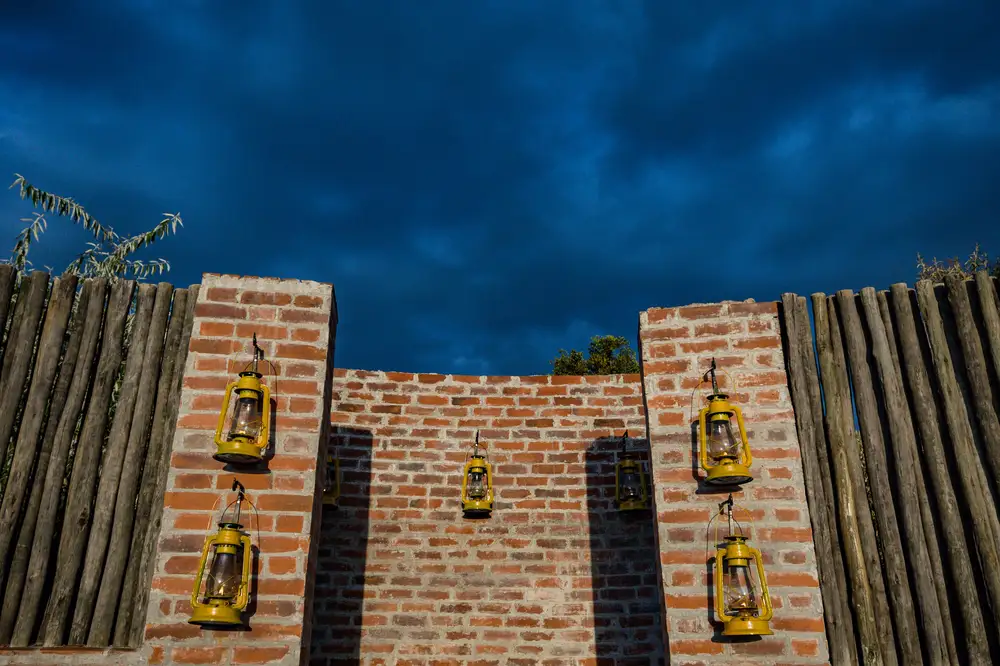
<point>238,448</point>
<point>482,506</point>
<point>729,470</point>
<point>628,464</point>
<point>230,538</point>
<point>734,551</point>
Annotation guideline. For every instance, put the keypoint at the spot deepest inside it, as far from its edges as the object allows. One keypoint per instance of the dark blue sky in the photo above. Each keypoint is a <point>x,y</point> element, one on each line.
<point>486,182</point>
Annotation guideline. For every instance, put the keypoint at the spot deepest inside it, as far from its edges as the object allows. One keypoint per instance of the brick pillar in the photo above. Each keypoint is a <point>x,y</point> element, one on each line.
<point>295,323</point>
<point>677,347</point>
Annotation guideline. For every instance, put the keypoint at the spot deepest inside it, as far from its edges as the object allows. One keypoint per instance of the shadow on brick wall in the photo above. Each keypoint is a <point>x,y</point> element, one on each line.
<point>628,626</point>
<point>338,601</point>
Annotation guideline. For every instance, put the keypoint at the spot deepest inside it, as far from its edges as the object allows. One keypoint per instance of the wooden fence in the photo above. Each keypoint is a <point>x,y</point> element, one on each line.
<point>89,390</point>
<point>904,513</point>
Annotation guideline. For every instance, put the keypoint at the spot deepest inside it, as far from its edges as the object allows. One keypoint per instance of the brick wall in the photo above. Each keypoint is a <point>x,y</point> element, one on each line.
<point>555,576</point>
<point>677,347</point>
<point>295,324</point>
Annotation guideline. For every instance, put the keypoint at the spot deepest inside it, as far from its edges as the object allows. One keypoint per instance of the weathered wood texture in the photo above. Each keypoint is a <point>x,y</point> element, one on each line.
<point>135,453</point>
<point>82,406</point>
<point>915,371</point>
<point>130,625</point>
<point>925,412</point>
<point>20,351</point>
<point>857,531</point>
<point>113,457</point>
<point>26,448</point>
<point>816,466</point>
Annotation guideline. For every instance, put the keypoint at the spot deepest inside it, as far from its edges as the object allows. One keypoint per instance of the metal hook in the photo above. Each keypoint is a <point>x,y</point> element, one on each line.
<point>240,496</point>
<point>715,383</point>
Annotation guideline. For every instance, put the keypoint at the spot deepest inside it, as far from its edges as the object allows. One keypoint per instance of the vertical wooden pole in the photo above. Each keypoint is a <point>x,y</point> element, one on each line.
<point>907,469</point>
<point>42,379</point>
<point>971,474</point>
<point>876,645</point>
<point>903,612</point>
<point>60,397</point>
<point>130,627</point>
<point>930,526</point>
<point>975,367</point>
<point>927,417</point>
<point>20,351</point>
<point>986,290</point>
<point>800,361</point>
<point>76,519</point>
<point>99,634</point>
<point>31,598</point>
<point>111,467</point>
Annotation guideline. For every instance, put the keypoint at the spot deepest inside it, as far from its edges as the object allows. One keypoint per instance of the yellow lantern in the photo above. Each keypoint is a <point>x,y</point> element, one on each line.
<point>220,597</point>
<point>250,420</point>
<point>331,489</point>
<point>742,600</point>
<point>630,482</point>
<point>726,458</point>
<point>477,484</point>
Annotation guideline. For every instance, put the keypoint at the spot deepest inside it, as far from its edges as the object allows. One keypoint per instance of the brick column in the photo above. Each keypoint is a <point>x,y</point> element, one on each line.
<point>295,323</point>
<point>677,347</point>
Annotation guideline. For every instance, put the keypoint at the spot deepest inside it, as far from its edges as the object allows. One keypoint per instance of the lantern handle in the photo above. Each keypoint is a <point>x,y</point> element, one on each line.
<point>726,508</point>
<point>715,388</point>
<point>475,449</point>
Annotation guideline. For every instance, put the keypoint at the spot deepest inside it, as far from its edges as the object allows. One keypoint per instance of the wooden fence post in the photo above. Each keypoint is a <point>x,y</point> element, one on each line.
<point>878,477</point>
<point>877,644</point>
<point>926,414</point>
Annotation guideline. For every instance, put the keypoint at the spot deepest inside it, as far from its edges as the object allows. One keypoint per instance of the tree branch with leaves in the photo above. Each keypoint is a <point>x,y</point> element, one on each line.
<point>606,355</point>
<point>936,270</point>
<point>108,256</point>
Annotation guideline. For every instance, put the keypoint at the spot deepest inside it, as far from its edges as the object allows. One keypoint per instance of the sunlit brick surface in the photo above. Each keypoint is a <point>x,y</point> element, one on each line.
<point>745,339</point>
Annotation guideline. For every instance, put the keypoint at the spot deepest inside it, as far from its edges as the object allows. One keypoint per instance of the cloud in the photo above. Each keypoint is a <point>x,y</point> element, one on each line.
<point>488,182</point>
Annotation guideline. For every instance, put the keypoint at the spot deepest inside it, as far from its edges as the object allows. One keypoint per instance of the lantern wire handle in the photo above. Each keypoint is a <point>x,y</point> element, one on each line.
<point>475,449</point>
<point>241,497</point>
<point>715,387</point>
<point>258,356</point>
<point>726,508</point>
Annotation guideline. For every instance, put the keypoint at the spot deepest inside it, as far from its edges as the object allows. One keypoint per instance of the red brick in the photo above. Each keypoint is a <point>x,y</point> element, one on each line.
<point>192,481</point>
<point>264,332</point>
<point>215,329</point>
<point>805,647</point>
<point>182,564</point>
<point>190,500</point>
<point>301,352</point>
<point>792,579</point>
<point>303,301</point>
<point>198,655</point>
<point>741,309</point>
<point>304,317</point>
<point>258,654</point>
<point>281,565</point>
<point>265,298</point>
<point>797,623</point>
<point>699,311</point>
<point>221,294</point>
<point>766,342</point>
<point>213,346</point>
<point>695,646</point>
<point>284,502</point>
<point>306,334</point>
<point>219,311</point>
